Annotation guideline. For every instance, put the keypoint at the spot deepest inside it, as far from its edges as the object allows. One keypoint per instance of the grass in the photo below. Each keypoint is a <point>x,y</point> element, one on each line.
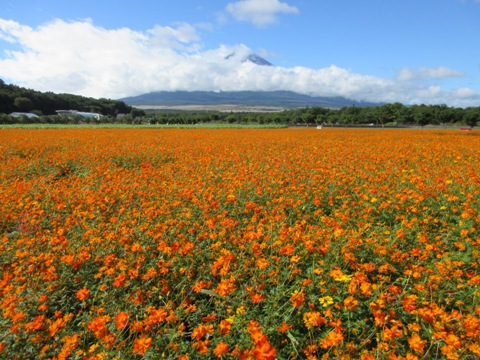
<point>143,126</point>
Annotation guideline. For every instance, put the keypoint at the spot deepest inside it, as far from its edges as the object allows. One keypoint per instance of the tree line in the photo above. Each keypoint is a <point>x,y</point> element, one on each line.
<point>392,114</point>
<point>17,99</point>
<point>14,98</point>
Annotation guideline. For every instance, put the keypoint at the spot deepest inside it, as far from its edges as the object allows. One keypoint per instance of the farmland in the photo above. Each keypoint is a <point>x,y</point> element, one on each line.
<point>239,244</point>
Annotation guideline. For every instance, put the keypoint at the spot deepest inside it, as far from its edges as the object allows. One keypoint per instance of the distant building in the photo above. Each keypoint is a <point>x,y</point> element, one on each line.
<point>18,114</point>
<point>84,114</point>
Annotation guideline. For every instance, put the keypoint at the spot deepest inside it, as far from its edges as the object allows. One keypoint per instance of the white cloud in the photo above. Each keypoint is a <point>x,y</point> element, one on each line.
<point>180,38</point>
<point>81,58</point>
<point>406,74</point>
<point>464,92</point>
<point>11,30</point>
<point>259,12</point>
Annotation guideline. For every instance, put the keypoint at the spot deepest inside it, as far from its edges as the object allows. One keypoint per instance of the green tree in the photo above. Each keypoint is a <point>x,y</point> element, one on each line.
<point>440,114</point>
<point>472,115</point>
<point>385,114</point>
<point>137,113</point>
<point>456,115</point>
<point>391,113</point>
<point>422,114</point>
<point>231,119</point>
<point>349,114</point>
<point>23,104</point>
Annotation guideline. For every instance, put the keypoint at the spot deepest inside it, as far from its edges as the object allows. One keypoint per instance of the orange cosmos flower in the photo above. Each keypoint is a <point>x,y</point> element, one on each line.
<point>336,274</point>
<point>287,250</point>
<point>333,338</point>
<point>262,263</point>
<point>220,349</point>
<point>136,326</point>
<point>142,344</point>
<point>83,294</point>
<point>284,327</point>
<point>366,288</point>
<point>416,343</point>
<point>391,333</point>
<point>55,326</point>
<point>209,318</point>
<point>350,303</point>
<point>225,326</point>
<point>471,325</point>
<point>367,356</point>
<point>297,298</point>
<point>256,298</point>
<point>155,316</point>
<point>121,320</point>
<point>409,303</point>
<point>427,315</point>
<point>36,324</point>
<point>98,326</point>
<point>70,342</point>
<point>454,341</point>
<point>264,351</point>
<point>119,280</point>
<point>313,319</point>
<point>201,330</point>
<point>201,346</point>
<point>201,285</point>
<point>225,287</point>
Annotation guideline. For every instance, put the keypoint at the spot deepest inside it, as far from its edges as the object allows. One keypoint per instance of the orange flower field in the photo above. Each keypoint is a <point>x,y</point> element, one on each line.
<point>239,244</point>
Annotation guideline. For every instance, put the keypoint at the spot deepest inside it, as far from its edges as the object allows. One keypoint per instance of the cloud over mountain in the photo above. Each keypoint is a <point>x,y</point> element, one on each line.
<point>82,58</point>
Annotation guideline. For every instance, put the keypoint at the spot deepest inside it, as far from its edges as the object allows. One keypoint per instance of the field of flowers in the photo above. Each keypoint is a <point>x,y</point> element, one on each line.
<point>239,244</point>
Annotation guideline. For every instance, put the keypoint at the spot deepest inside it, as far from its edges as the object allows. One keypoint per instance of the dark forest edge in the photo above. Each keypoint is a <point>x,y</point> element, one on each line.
<point>44,106</point>
<point>16,99</point>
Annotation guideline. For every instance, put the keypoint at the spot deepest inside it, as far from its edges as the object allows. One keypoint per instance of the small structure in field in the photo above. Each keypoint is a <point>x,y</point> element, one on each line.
<point>84,114</point>
<point>27,114</point>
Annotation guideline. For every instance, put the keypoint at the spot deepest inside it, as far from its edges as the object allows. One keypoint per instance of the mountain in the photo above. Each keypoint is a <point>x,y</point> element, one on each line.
<point>256,59</point>
<point>285,99</point>
<point>251,57</point>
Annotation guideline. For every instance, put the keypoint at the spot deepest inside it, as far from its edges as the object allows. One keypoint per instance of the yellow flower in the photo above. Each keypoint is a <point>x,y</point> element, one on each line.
<point>93,348</point>
<point>338,275</point>
<point>344,278</point>
<point>241,310</point>
<point>326,301</point>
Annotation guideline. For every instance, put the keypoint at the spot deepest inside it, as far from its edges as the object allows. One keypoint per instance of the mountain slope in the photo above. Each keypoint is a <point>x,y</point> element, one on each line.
<point>286,99</point>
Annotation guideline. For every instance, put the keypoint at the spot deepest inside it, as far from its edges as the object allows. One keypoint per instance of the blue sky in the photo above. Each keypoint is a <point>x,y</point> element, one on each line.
<point>411,51</point>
